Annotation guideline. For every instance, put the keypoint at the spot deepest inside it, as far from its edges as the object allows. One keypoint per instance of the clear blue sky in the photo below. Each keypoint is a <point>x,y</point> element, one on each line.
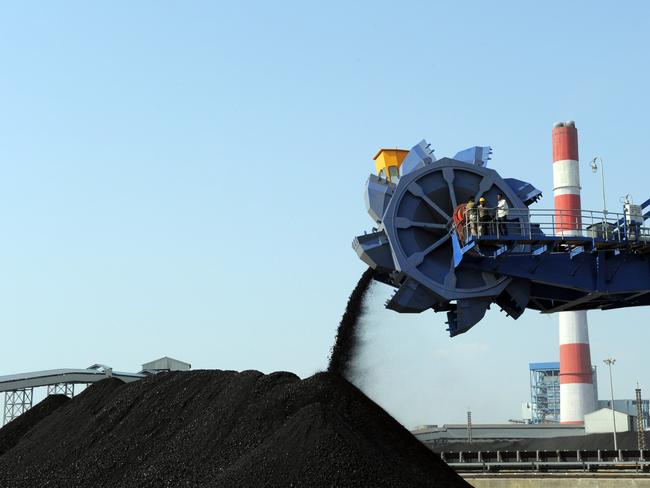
<point>185,178</point>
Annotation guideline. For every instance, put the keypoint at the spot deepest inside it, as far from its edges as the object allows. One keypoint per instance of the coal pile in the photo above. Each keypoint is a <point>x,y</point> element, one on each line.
<point>347,334</point>
<point>11,433</point>
<point>222,429</point>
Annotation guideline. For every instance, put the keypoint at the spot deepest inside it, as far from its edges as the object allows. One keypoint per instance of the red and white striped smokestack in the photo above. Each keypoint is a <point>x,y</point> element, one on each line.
<point>576,379</point>
<point>566,178</point>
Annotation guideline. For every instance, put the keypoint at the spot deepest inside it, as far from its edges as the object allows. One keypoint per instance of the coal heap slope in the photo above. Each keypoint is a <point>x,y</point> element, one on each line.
<point>11,433</point>
<point>223,428</point>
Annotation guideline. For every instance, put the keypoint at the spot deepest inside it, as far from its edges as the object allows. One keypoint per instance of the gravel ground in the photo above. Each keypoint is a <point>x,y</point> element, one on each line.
<point>222,429</point>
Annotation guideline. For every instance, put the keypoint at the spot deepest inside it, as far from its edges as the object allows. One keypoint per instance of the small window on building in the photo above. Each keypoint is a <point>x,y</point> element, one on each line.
<point>394,174</point>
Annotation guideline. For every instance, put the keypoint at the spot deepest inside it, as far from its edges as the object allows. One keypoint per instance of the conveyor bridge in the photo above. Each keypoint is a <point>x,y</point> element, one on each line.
<point>547,461</point>
<point>19,388</point>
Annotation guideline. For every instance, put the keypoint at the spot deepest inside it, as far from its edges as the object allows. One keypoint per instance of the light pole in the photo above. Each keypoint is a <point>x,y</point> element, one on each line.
<point>609,362</point>
<point>594,169</point>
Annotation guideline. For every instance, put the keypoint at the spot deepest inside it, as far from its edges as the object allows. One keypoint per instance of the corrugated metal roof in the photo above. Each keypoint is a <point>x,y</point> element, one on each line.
<point>166,363</point>
<point>538,366</point>
<point>53,376</point>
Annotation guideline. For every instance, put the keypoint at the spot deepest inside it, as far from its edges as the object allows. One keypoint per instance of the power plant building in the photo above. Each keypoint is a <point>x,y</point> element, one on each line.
<point>544,392</point>
<point>544,406</point>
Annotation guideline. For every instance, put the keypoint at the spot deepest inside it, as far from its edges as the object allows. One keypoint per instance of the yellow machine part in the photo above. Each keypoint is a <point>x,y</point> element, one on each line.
<point>388,162</point>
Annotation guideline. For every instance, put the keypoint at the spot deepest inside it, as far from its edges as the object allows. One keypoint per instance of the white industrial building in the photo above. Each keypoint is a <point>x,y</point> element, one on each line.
<point>165,364</point>
<point>602,421</point>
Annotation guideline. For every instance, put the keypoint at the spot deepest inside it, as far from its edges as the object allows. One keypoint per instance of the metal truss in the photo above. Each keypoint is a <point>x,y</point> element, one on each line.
<point>17,402</point>
<point>545,395</point>
<point>66,389</point>
<point>566,461</point>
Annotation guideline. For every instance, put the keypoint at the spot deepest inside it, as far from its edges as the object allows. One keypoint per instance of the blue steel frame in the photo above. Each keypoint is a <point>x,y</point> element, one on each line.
<point>560,281</point>
<point>545,392</point>
<point>567,272</point>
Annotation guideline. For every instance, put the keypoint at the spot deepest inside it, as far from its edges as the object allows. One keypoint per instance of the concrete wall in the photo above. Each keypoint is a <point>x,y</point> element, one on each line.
<point>560,482</point>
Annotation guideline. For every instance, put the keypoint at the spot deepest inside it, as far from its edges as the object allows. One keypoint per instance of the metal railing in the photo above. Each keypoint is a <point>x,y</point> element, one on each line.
<point>527,224</point>
<point>523,460</point>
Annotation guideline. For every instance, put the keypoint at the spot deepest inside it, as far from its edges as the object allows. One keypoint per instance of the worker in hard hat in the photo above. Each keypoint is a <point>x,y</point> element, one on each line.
<point>502,215</point>
<point>471,216</point>
<point>483,217</point>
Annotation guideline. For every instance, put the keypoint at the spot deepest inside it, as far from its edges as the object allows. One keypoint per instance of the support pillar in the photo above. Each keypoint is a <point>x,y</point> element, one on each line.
<point>17,402</point>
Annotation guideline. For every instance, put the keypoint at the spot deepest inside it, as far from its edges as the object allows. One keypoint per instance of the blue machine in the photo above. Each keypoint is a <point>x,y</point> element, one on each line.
<point>424,245</point>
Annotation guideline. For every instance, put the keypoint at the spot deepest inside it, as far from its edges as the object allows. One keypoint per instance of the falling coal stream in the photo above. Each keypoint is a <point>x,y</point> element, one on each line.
<point>347,336</point>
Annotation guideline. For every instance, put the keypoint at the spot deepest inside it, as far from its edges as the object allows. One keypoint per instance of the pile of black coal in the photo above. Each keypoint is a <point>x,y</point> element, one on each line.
<point>221,429</point>
<point>11,433</point>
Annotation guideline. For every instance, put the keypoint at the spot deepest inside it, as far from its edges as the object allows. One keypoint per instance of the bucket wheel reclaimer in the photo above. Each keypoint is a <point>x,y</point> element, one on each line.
<point>419,247</point>
<point>415,247</point>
